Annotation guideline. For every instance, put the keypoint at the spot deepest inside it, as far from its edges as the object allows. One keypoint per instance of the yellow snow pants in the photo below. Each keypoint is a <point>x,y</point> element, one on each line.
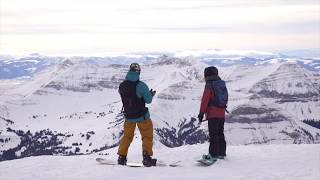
<point>146,130</point>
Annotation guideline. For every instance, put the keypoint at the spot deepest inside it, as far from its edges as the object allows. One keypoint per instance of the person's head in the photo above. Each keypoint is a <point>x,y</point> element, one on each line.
<point>210,71</point>
<point>135,67</point>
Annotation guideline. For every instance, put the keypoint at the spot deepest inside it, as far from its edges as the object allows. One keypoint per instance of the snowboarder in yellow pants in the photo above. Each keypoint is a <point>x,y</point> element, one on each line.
<point>134,96</point>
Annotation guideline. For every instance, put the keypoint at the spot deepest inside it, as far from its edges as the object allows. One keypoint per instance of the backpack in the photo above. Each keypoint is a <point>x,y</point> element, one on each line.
<point>220,94</point>
<point>133,106</point>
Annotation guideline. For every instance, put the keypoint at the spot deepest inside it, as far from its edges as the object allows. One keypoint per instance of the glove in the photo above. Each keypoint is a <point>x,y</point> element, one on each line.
<point>200,117</point>
<point>152,92</point>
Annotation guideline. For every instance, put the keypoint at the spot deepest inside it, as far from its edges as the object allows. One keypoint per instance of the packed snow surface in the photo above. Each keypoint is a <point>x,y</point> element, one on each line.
<point>256,162</point>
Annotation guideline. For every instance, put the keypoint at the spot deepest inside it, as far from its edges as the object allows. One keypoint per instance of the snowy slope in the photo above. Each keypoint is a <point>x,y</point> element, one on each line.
<point>285,162</point>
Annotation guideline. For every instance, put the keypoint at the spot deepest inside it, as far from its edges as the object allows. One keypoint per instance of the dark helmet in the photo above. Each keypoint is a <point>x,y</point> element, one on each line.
<point>210,71</point>
<point>135,67</point>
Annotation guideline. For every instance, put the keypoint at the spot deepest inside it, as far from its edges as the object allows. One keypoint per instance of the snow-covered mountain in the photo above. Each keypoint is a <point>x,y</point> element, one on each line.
<point>25,67</point>
<point>73,107</point>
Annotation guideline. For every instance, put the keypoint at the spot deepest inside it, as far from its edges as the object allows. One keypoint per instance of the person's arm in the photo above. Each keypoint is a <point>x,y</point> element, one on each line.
<point>144,92</point>
<point>206,96</point>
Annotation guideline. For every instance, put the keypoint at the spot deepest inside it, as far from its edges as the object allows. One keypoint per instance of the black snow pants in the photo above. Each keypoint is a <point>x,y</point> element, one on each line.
<point>217,140</point>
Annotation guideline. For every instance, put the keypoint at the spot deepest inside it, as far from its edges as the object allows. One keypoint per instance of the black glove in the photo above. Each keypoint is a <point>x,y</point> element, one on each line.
<point>152,92</point>
<point>200,117</point>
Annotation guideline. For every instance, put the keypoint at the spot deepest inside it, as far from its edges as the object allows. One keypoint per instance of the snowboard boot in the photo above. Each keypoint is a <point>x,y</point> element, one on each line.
<point>148,161</point>
<point>209,159</point>
<point>122,160</point>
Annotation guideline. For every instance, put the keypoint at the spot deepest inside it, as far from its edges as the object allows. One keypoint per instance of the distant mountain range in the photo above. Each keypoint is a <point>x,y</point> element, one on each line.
<point>24,67</point>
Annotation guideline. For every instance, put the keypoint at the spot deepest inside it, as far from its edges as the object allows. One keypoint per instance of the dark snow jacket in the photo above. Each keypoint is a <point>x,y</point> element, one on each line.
<point>211,112</point>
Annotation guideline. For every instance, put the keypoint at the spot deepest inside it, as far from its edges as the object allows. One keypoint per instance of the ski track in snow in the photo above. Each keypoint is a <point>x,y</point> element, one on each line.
<point>259,162</point>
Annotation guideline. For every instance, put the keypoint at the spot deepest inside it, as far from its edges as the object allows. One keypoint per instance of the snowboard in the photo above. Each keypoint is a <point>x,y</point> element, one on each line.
<point>136,164</point>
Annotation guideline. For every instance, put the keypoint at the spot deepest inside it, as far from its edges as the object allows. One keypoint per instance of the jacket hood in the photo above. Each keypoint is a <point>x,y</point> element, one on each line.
<point>213,78</point>
<point>133,76</point>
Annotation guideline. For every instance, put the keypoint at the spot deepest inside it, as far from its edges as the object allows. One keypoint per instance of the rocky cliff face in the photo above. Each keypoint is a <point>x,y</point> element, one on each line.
<point>290,81</point>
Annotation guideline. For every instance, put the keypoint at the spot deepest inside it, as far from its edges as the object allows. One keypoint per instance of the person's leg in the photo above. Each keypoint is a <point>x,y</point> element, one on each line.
<point>127,138</point>
<point>146,131</point>
<point>222,140</point>
<point>213,138</point>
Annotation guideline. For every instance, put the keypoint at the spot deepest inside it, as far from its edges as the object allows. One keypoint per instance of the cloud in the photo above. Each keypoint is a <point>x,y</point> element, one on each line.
<point>112,20</point>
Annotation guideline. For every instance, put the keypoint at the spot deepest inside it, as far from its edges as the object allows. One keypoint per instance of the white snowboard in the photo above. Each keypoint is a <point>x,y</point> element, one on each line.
<point>136,164</point>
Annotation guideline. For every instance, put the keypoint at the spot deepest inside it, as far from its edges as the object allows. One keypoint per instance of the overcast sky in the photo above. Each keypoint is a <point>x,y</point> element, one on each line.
<point>103,26</point>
